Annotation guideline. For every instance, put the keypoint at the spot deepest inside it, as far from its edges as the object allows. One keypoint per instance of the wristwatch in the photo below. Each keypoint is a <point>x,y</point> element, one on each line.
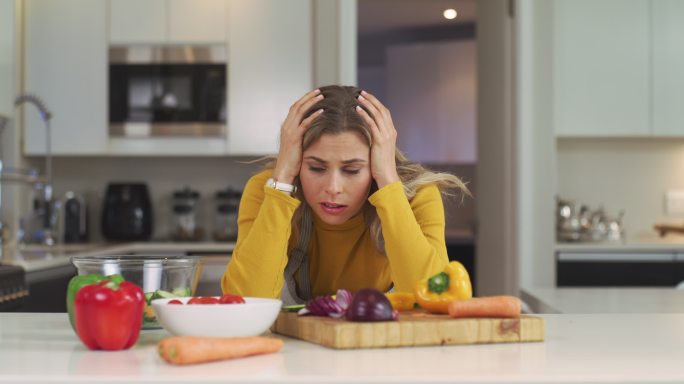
<point>284,187</point>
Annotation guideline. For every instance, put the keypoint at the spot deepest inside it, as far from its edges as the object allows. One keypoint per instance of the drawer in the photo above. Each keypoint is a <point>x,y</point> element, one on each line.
<point>623,269</point>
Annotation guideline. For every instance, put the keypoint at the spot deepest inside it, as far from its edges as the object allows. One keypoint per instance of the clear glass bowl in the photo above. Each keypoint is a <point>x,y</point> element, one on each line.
<point>153,273</point>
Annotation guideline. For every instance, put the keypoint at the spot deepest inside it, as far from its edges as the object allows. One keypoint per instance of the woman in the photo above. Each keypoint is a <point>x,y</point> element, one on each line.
<point>341,207</point>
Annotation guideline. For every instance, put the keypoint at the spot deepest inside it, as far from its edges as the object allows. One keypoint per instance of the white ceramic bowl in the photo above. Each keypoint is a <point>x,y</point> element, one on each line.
<point>252,318</point>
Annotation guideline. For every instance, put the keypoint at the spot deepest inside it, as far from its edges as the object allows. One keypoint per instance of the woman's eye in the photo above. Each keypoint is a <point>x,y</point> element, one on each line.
<point>351,171</point>
<point>316,169</point>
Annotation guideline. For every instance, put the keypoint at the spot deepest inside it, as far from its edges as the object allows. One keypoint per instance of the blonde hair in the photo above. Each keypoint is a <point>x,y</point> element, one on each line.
<point>339,104</point>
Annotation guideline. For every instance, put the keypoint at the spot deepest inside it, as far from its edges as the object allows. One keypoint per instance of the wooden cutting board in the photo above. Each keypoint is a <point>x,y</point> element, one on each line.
<point>411,329</point>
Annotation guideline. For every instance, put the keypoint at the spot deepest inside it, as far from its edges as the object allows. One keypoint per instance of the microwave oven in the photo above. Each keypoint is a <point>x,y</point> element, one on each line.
<point>167,91</point>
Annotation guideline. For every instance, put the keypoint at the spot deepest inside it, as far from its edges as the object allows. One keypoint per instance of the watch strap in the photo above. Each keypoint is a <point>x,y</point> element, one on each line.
<point>280,186</point>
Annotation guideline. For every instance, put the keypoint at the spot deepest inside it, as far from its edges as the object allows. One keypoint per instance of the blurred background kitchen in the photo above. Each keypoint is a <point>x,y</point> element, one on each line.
<point>132,123</point>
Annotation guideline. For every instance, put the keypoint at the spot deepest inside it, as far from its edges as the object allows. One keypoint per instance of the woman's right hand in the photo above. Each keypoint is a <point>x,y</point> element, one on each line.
<point>291,133</point>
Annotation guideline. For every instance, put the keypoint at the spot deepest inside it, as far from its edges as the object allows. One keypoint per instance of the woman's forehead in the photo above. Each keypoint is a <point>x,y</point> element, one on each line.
<point>339,147</point>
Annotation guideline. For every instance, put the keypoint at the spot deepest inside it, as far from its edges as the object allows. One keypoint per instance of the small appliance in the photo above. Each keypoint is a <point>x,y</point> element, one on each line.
<point>127,212</point>
<point>75,219</point>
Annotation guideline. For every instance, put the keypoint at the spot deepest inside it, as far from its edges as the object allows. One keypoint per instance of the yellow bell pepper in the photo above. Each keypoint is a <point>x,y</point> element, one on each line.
<point>435,293</point>
<point>401,301</point>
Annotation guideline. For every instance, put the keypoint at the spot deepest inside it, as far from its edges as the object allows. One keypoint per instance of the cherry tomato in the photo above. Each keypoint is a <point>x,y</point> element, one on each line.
<point>231,299</point>
<point>175,301</point>
<point>203,300</point>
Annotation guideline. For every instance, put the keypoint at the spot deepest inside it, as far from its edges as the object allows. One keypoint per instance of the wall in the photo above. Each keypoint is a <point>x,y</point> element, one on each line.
<point>432,91</point>
<point>536,155</point>
<point>629,174</point>
<point>335,42</point>
<point>497,164</point>
<point>89,177</point>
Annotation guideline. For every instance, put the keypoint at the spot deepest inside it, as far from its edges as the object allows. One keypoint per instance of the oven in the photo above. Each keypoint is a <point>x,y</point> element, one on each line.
<point>167,91</point>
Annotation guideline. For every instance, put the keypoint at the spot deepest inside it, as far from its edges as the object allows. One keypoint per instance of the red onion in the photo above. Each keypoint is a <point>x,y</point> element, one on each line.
<point>370,305</point>
<point>327,306</point>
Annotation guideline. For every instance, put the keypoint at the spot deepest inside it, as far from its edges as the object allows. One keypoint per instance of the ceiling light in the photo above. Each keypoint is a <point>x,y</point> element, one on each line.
<point>450,13</point>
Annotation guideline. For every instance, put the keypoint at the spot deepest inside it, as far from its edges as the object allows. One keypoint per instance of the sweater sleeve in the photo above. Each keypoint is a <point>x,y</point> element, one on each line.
<point>413,233</point>
<point>260,255</point>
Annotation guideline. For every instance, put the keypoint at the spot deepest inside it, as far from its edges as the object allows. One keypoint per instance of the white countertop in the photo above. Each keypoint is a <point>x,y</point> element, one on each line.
<point>39,348</point>
<point>35,257</point>
<point>640,242</point>
<point>604,300</point>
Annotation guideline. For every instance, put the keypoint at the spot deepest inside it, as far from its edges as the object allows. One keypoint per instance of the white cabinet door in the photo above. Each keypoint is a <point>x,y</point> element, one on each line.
<point>269,68</point>
<point>601,68</point>
<point>167,21</point>
<point>197,21</point>
<point>66,65</point>
<point>137,21</point>
<point>668,67</point>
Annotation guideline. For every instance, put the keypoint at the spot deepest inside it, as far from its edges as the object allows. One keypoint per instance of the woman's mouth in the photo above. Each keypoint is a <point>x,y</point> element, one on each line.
<point>332,208</point>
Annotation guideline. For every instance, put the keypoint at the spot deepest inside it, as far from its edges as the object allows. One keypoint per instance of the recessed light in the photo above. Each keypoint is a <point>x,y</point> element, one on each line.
<point>450,13</point>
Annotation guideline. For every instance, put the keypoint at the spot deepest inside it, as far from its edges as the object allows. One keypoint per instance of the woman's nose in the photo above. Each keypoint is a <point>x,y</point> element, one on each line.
<point>333,185</point>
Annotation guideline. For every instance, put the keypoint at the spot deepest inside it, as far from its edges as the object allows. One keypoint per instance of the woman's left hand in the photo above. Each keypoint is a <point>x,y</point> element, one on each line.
<point>382,157</point>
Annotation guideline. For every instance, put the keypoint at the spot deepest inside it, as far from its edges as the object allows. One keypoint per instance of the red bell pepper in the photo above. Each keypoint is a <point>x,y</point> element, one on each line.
<point>109,314</point>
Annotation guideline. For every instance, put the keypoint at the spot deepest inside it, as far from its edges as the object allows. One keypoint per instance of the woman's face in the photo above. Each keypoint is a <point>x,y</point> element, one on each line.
<point>335,176</point>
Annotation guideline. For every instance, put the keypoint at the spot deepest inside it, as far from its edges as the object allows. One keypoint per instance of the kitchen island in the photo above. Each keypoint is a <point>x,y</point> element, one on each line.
<point>40,348</point>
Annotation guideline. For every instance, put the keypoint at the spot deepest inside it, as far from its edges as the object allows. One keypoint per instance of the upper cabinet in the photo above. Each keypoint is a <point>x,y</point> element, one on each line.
<point>618,68</point>
<point>168,21</point>
<point>66,66</point>
<point>270,66</point>
<point>135,21</point>
<point>601,59</point>
<point>668,67</point>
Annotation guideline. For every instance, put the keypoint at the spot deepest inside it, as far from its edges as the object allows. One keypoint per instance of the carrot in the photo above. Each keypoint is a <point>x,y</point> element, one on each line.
<point>193,350</point>
<point>489,306</point>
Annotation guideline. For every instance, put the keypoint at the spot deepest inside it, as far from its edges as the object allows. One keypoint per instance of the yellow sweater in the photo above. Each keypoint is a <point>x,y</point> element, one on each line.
<point>341,256</point>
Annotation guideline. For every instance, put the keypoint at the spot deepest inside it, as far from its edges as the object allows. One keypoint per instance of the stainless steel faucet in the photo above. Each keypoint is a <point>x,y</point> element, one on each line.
<point>45,115</point>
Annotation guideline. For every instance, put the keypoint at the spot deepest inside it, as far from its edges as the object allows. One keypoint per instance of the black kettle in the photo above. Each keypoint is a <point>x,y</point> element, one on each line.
<point>127,212</point>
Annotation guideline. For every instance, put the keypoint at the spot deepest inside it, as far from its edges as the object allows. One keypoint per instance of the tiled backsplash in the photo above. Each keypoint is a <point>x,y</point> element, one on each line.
<point>89,176</point>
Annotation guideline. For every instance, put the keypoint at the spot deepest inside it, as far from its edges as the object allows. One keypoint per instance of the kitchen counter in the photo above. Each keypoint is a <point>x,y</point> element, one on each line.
<point>603,300</point>
<point>41,348</point>
<point>35,257</point>
<point>642,242</point>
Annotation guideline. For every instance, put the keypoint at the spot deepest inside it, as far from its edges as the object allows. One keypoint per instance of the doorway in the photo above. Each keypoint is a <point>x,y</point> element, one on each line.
<point>423,67</point>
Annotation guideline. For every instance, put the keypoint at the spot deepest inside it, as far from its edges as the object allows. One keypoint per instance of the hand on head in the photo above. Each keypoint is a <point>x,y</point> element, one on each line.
<point>382,159</point>
<point>291,133</point>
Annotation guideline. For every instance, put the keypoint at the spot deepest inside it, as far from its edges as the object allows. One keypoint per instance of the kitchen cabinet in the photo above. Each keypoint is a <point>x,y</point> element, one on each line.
<point>270,67</point>
<point>668,67</point>
<point>167,21</point>
<point>136,21</point>
<point>66,66</point>
<point>618,68</point>
<point>48,289</point>
<point>601,67</point>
